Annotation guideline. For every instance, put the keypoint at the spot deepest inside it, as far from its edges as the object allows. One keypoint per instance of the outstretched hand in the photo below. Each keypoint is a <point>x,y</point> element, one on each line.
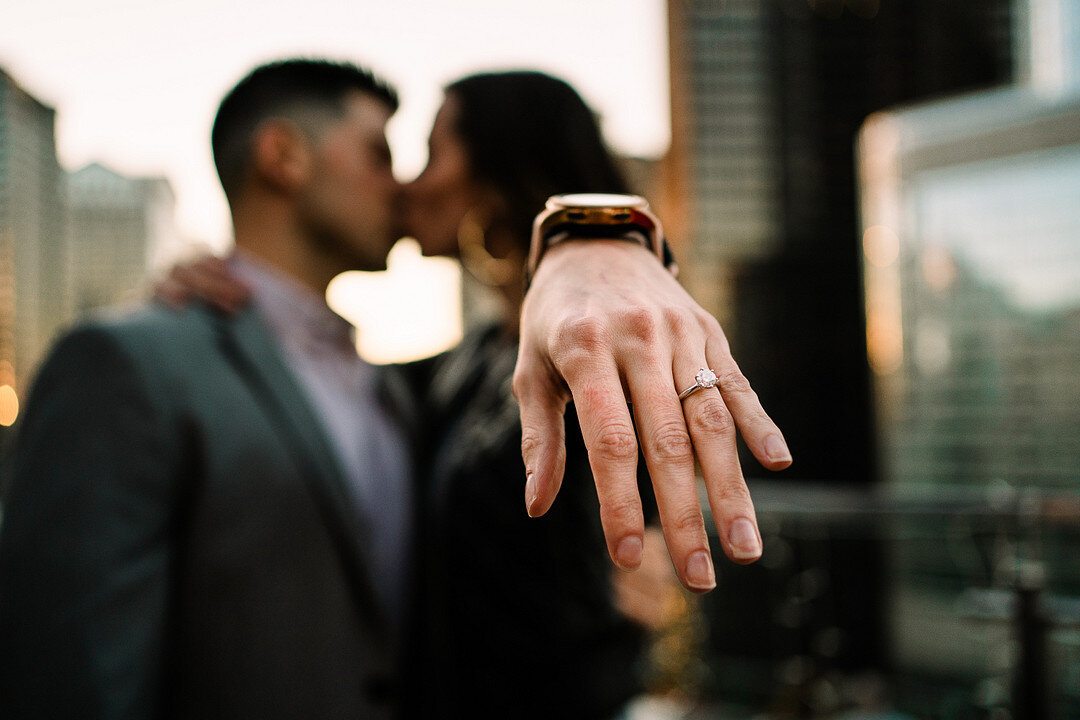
<point>604,324</point>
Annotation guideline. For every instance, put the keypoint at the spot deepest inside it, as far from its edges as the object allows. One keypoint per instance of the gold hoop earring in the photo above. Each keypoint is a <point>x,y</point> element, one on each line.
<point>475,258</point>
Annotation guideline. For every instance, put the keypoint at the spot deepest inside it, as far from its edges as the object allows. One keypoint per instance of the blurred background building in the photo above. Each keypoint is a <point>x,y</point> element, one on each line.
<point>920,553</point>
<point>767,99</point>
<point>69,243</point>
<point>972,256</point>
<point>31,239</point>
<point>120,229</point>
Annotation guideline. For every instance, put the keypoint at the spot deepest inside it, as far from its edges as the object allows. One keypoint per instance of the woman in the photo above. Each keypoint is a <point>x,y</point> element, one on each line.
<point>526,626</point>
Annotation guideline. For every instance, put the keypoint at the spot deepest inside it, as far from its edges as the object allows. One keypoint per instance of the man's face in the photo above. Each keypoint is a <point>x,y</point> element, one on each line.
<point>350,204</point>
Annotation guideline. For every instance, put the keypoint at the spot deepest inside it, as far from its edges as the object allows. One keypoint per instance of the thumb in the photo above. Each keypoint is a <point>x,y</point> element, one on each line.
<point>543,437</point>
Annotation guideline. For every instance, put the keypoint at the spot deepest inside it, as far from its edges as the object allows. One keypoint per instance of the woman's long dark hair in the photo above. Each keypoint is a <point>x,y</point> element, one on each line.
<point>531,136</point>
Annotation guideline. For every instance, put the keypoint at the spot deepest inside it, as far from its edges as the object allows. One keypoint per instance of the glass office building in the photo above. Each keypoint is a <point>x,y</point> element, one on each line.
<point>32,292</point>
<point>971,247</point>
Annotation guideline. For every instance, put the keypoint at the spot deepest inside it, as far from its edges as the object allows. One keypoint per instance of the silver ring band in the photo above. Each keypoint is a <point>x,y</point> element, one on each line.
<point>705,378</point>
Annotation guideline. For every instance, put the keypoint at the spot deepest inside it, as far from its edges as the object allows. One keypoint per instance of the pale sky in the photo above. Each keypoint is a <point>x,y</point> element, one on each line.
<point>136,83</point>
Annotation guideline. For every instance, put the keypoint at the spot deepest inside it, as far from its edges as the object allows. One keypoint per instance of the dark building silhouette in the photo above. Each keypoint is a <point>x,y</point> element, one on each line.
<point>767,102</point>
<point>768,98</point>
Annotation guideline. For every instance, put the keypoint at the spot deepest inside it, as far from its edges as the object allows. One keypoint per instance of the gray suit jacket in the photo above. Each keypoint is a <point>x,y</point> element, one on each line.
<point>177,539</point>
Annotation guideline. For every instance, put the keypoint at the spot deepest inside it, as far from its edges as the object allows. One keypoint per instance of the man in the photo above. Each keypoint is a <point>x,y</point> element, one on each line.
<point>192,525</point>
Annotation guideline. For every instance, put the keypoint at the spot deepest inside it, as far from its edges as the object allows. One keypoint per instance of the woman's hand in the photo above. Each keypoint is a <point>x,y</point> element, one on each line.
<point>206,278</point>
<point>604,324</point>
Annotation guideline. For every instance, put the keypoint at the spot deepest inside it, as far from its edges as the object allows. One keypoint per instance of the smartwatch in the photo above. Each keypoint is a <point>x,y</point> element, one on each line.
<point>587,216</point>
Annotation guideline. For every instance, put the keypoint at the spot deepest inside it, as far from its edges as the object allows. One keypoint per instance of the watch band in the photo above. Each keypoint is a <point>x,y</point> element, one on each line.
<point>589,216</point>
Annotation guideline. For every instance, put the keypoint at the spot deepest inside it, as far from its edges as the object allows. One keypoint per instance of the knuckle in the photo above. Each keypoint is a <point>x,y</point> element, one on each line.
<point>581,331</point>
<point>521,383</point>
<point>711,326</point>
<point>686,521</point>
<point>576,340</point>
<point>622,506</point>
<point>734,491</point>
<point>711,417</point>
<point>616,442</point>
<point>640,323</point>
<point>670,443</point>
<point>680,321</point>
<point>530,442</point>
<point>621,513</point>
<point>735,381</point>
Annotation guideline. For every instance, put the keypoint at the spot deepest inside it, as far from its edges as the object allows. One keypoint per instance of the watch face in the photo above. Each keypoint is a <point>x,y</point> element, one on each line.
<point>597,200</point>
<point>595,216</point>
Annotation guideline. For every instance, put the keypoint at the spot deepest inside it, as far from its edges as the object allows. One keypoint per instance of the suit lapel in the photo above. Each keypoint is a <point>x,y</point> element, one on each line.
<point>248,342</point>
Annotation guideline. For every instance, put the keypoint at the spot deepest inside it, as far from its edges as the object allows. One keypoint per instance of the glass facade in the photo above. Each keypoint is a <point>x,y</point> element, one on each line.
<point>972,265</point>
<point>906,307</point>
<point>32,286</point>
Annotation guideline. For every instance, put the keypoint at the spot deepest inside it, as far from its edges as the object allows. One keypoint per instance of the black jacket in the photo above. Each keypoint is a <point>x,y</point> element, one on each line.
<point>516,613</point>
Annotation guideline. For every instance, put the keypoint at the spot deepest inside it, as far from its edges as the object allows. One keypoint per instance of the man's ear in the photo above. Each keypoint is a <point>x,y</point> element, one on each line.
<point>281,154</point>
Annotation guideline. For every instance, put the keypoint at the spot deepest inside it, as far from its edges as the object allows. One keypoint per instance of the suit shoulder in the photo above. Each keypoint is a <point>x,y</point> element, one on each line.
<point>151,338</point>
<point>148,326</point>
<point>154,348</point>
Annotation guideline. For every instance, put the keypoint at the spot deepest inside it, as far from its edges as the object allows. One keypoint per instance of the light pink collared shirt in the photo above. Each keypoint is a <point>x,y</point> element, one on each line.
<point>370,449</point>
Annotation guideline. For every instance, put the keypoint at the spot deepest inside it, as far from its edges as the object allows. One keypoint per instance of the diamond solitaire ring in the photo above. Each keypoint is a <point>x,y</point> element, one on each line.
<point>704,379</point>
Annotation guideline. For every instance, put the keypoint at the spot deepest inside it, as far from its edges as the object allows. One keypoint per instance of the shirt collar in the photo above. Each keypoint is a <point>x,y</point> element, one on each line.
<point>297,314</point>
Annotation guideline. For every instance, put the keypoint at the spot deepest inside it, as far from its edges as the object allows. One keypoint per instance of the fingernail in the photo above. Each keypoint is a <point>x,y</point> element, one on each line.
<point>699,572</point>
<point>628,553</point>
<point>777,449</point>
<point>530,493</point>
<point>744,541</point>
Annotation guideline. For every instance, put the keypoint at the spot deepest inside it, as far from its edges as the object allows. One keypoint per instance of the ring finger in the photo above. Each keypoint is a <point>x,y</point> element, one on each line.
<point>712,430</point>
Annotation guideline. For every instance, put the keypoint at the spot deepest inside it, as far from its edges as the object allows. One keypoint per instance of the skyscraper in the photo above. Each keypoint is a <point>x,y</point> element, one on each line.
<point>972,266</point>
<point>767,101</point>
<point>67,243</point>
<point>120,229</point>
<point>32,297</point>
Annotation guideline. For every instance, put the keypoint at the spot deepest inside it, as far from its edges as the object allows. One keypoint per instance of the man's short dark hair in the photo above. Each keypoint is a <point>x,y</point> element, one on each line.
<point>299,89</point>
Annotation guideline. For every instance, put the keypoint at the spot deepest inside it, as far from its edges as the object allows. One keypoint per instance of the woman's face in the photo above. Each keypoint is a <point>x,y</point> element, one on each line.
<point>438,199</point>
